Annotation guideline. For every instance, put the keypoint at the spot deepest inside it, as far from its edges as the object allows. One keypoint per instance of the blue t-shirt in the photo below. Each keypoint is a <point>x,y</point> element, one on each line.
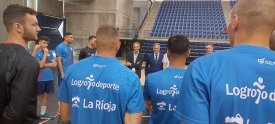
<point>162,88</point>
<point>45,74</point>
<point>100,90</point>
<point>235,86</point>
<point>66,53</point>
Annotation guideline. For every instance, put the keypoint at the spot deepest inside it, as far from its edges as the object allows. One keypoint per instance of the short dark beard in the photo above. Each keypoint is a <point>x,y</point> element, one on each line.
<point>27,35</point>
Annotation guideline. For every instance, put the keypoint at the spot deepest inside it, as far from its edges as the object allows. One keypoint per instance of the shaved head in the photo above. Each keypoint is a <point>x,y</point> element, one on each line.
<point>272,41</point>
<point>107,37</point>
<point>256,15</point>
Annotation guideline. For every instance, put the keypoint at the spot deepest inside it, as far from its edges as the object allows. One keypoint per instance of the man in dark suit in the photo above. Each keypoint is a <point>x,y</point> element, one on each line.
<point>134,59</point>
<point>154,60</point>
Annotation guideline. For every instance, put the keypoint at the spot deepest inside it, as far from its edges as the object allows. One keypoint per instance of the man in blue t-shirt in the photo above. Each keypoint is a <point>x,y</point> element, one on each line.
<point>45,78</point>
<point>64,57</point>
<point>162,88</point>
<point>234,86</point>
<point>99,89</point>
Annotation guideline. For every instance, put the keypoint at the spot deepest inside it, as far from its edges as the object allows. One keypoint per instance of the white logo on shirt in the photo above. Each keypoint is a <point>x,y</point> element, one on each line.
<point>177,76</point>
<point>238,119</point>
<point>263,61</point>
<point>99,105</point>
<point>245,92</point>
<point>173,90</point>
<point>75,101</point>
<point>99,66</point>
<point>89,82</point>
<point>161,105</point>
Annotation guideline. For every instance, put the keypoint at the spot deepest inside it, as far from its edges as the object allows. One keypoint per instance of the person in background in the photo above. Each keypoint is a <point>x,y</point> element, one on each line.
<point>154,60</point>
<point>89,50</point>
<point>209,48</point>
<point>162,104</point>
<point>134,59</point>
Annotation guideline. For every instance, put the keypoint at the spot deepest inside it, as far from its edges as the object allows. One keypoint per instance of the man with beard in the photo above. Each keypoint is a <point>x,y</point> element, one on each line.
<point>18,69</point>
<point>64,57</point>
<point>134,59</point>
<point>89,50</point>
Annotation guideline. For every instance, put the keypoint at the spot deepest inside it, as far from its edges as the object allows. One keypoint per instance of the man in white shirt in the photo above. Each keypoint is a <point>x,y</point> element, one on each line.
<point>165,61</point>
<point>134,59</point>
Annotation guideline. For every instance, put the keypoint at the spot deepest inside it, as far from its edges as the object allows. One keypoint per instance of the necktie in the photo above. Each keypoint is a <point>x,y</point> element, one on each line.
<point>156,60</point>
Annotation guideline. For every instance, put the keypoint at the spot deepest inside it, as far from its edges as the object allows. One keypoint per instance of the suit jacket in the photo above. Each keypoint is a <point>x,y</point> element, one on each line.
<point>137,64</point>
<point>151,66</point>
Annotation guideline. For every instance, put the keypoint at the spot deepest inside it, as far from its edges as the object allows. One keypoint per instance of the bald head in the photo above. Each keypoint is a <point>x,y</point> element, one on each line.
<point>272,41</point>
<point>107,37</point>
<point>256,15</point>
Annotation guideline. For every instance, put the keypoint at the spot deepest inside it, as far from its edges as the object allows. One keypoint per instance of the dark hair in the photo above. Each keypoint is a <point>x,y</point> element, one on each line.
<point>66,34</point>
<point>44,38</point>
<point>210,44</point>
<point>178,44</point>
<point>16,13</point>
<point>91,37</point>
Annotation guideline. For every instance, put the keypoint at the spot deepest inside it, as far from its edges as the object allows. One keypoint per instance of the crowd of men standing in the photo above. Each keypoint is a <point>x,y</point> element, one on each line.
<point>229,86</point>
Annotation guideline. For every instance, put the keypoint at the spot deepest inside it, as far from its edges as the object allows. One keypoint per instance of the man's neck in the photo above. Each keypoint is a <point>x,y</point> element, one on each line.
<point>106,54</point>
<point>66,42</point>
<point>17,40</point>
<point>91,46</point>
<point>136,52</point>
<point>254,40</point>
<point>156,53</point>
<point>178,62</point>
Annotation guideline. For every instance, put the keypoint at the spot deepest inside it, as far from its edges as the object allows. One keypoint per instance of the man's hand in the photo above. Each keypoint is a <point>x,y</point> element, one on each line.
<point>128,64</point>
<point>62,75</point>
<point>46,51</point>
<point>36,47</point>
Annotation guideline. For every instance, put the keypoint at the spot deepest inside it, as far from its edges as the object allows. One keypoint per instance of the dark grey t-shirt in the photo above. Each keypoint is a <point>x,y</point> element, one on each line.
<point>86,52</point>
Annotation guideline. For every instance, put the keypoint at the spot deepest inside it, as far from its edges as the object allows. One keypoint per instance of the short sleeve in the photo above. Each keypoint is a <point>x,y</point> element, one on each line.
<point>165,58</point>
<point>51,56</point>
<point>136,102</point>
<point>37,57</point>
<point>63,94</point>
<point>58,51</point>
<point>193,104</point>
<point>146,90</point>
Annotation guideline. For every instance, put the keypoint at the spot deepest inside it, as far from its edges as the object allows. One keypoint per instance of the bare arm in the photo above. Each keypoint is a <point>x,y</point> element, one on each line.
<point>164,65</point>
<point>65,112</point>
<point>59,64</point>
<point>135,118</point>
<point>43,60</point>
<point>148,105</point>
<point>50,65</point>
<point>35,49</point>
